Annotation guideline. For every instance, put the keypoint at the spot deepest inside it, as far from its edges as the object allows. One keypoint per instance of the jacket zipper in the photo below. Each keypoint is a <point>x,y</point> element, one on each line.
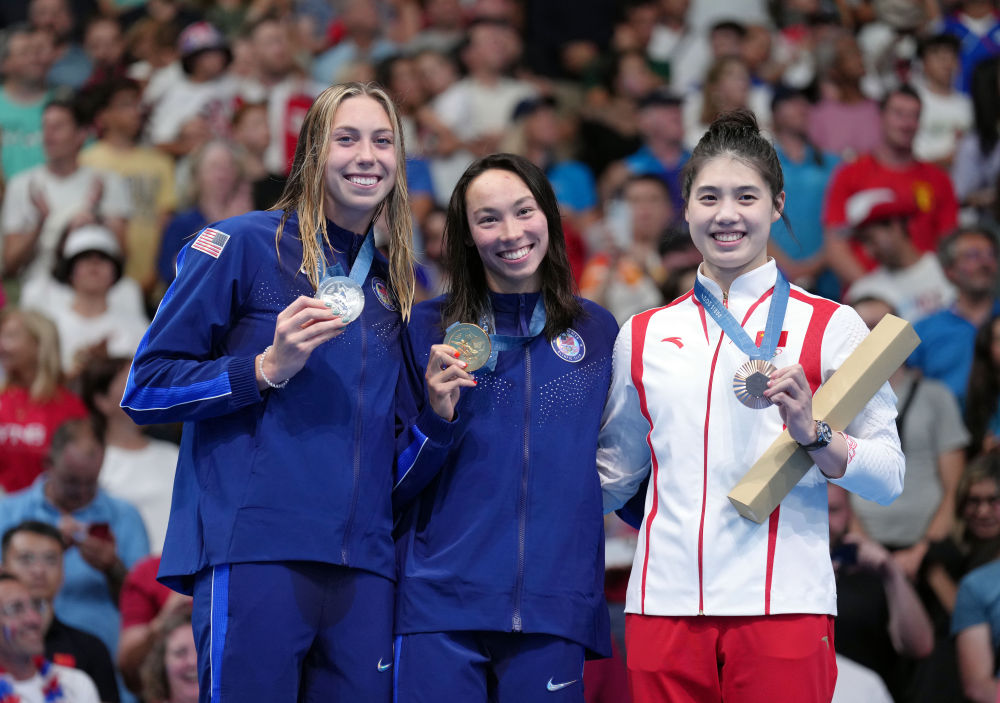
<point>357,445</point>
<point>522,517</point>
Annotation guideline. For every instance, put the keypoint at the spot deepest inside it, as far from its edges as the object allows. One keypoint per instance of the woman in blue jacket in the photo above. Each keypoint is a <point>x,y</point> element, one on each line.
<point>500,537</point>
<point>281,518</point>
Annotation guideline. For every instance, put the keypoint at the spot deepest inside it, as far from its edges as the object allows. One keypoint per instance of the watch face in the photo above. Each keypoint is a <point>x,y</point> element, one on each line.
<point>823,432</point>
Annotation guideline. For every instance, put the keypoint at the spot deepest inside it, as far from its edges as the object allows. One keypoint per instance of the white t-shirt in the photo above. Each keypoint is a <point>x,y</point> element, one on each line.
<point>50,297</point>
<point>184,100</point>
<point>858,684</point>
<point>66,197</point>
<point>123,333</point>
<point>943,119</point>
<point>77,687</point>
<point>145,478</point>
<point>915,292</point>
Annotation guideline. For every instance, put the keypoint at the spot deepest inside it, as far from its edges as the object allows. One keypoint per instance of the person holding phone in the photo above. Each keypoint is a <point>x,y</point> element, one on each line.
<point>281,521</point>
<point>720,607</point>
<point>501,539</point>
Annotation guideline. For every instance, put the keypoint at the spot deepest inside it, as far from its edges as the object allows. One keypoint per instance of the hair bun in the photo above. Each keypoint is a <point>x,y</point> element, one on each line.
<point>740,119</point>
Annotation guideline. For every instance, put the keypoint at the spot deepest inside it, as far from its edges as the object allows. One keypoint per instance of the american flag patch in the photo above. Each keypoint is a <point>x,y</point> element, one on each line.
<point>211,241</point>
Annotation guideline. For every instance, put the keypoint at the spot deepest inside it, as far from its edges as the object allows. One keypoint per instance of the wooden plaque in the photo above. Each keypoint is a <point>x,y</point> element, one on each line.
<point>838,402</point>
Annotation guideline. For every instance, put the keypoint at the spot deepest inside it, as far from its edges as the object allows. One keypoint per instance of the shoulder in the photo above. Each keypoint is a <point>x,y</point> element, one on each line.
<point>425,320</point>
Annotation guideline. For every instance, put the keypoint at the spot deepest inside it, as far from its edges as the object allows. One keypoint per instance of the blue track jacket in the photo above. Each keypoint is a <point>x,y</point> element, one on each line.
<point>300,473</point>
<point>500,514</point>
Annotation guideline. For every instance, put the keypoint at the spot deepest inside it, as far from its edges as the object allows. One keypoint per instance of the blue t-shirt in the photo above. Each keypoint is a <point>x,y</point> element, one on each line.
<point>945,351</point>
<point>805,186</point>
<point>573,184</point>
<point>645,162</point>
<point>84,600</point>
<point>978,602</point>
<point>20,135</point>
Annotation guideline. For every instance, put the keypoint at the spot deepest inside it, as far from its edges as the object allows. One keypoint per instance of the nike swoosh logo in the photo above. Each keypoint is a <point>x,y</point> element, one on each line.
<point>384,667</point>
<point>559,686</point>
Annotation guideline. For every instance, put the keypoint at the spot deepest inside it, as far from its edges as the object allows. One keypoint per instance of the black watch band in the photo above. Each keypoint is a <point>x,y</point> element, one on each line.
<point>824,435</point>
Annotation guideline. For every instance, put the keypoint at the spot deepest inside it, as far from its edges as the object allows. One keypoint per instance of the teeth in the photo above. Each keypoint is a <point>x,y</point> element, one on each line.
<point>516,254</point>
<point>363,180</point>
<point>728,236</point>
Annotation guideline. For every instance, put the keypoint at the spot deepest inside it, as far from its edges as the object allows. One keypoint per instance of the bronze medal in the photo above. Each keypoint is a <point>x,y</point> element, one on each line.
<point>472,344</point>
<point>750,382</point>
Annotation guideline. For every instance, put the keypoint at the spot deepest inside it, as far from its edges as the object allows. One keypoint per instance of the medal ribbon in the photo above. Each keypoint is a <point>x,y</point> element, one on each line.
<point>362,264</point>
<point>732,328</point>
<point>506,342</point>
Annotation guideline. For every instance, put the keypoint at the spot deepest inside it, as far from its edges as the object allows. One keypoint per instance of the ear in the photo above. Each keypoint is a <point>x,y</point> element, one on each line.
<point>779,206</point>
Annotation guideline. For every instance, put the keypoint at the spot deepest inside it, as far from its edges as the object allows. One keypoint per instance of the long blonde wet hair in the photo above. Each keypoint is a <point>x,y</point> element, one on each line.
<point>305,192</point>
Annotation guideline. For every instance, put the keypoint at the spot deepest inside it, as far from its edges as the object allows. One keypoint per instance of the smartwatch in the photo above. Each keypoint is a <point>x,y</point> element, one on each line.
<point>824,435</point>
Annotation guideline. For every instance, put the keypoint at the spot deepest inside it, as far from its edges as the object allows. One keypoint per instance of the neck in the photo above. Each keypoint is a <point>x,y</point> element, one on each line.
<point>937,87</point>
<point>21,667</point>
<point>893,155</point>
<point>22,378</point>
<point>123,433</point>
<point>117,140</point>
<point>358,224</point>
<point>908,256</point>
<point>90,304</point>
<point>792,143</point>
<point>63,166</point>
<point>725,277</point>
<point>850,92</point>
<point>23,91</point>
<point>974,308</point>
<point>665,151</point>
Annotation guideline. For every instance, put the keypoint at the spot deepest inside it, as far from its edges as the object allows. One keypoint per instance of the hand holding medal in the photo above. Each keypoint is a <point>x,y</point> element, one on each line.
<point>300,328</point>
<point>789,390</point>
<point>447,373</point>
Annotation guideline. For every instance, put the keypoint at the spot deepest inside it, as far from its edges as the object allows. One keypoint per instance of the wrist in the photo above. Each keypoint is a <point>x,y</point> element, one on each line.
<point>269,378</point>
<point>819,438</point>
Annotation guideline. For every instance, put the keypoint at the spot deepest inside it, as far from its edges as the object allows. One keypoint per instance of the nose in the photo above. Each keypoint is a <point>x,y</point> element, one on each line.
<point>365,153</point>
<point>726,210</point>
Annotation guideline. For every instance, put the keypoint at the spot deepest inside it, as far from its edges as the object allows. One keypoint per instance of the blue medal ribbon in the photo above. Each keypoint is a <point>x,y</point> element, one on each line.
<point>506,342</point>
<point>732,328</point>
<point>362,264</point>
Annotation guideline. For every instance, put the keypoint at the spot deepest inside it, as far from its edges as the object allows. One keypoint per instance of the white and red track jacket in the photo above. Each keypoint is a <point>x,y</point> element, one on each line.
<point>671,410</point>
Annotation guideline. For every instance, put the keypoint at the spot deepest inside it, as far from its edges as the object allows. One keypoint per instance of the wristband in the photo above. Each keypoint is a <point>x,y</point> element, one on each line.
<point>263,375</point>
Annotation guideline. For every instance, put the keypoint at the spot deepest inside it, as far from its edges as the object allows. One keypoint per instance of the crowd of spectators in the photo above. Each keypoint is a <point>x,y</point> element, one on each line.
<point>128,125</point>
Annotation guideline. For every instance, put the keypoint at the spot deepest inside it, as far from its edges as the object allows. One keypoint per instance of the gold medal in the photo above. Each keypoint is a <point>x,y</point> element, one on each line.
<point>750,382</point>
<point>472,344</point>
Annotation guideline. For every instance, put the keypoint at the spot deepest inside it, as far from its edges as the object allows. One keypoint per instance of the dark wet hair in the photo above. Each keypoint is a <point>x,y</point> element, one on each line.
<point>736,134</point>
<point>468,290</point>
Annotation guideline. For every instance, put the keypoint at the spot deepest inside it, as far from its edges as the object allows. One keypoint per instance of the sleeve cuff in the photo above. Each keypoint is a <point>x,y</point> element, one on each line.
<point>435,427</point>
<point>243,381</point>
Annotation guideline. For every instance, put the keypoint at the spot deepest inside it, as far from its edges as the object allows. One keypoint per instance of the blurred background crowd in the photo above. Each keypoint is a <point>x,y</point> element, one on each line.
<point>128,125</point>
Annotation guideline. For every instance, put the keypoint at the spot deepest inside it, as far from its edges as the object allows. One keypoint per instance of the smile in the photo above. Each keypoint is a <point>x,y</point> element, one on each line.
<point>366,181</point>
<point>516,254</point>
<point>727,237</point>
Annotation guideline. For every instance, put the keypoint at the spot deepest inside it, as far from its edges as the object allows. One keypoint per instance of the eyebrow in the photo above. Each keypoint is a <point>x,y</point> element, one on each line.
<point>517,203</point>
<point>739,189</point>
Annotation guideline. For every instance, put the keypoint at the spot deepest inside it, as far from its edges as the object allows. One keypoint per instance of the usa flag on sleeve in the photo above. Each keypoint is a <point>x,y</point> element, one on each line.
<point>211,241</point>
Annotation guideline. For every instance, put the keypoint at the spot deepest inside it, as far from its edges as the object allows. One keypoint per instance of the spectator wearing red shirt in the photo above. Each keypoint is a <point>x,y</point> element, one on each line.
<point>890,165</point>
<point>33,403</point>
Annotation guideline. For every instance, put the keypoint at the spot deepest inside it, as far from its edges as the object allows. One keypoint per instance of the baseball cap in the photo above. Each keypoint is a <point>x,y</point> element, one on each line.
<point>876,204</point>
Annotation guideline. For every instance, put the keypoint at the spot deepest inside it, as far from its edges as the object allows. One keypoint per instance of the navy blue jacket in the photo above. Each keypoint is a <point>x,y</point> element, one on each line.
<point>300,473</point>
<point>500,515</point>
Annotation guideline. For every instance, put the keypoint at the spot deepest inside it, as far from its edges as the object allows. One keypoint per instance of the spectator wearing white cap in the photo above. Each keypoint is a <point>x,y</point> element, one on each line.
<point>911,281</point>
<point>90,262</point>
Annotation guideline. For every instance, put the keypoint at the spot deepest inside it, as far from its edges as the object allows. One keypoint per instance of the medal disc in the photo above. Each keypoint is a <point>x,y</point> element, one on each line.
<point>343,296</point>
<point>750,382</point>
<point>472,344</point>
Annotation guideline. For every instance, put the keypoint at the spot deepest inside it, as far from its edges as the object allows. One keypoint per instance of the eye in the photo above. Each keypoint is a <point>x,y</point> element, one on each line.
<point>383,141</point>
<point>487,220</point>
<point>525,211</point>
<point>707,198</point>
<point>343,139</point>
